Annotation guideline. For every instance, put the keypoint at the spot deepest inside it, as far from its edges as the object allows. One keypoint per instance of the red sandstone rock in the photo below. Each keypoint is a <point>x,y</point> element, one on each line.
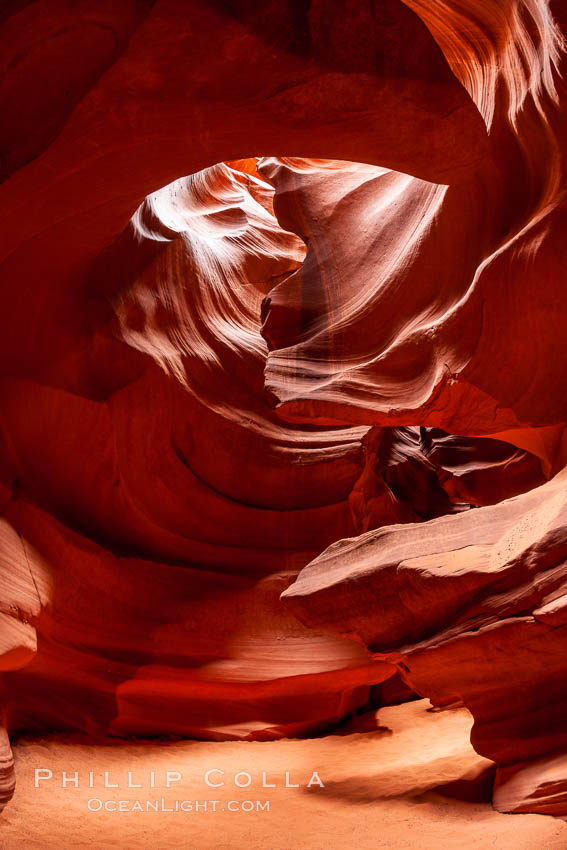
<point>419,303</point>
<point>181,506</point>
<point>414,474</point>
<point>536,786</point>
<point>7,773</point>
<point>470,607</point>
<point>190,373</point>
<point>24,590</point>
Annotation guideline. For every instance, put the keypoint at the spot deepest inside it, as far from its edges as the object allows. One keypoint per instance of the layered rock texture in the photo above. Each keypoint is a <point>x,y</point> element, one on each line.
<point>291,425</point>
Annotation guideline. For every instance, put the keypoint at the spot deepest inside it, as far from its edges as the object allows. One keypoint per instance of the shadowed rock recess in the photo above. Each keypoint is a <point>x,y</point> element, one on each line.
<point>291,425</point>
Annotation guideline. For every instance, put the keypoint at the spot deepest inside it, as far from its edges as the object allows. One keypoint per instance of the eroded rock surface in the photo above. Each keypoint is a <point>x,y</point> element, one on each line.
<point>328,367</point>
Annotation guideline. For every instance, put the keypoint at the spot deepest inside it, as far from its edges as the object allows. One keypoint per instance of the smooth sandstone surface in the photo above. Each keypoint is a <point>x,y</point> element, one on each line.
<point>282,372</point>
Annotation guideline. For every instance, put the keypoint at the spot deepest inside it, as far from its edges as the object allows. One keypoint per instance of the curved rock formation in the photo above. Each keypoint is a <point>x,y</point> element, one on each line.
<point>341,333</point>
<point>415,474</point>
<point>468,607</point>
<point>25,589</point>
<point>184,506</point>
<point>469,610</point>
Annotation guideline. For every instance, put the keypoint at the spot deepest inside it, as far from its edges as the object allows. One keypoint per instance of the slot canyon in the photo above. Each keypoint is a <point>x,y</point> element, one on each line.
<point>283,445</point>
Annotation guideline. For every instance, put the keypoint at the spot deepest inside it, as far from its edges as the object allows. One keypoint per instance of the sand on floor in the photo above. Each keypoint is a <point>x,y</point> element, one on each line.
<point>377,793</point>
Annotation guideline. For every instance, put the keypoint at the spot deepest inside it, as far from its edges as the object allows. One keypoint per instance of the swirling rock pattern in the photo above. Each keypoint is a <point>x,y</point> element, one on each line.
<point>184,488</point>
<point>469,607</point>
<point>326,365</point>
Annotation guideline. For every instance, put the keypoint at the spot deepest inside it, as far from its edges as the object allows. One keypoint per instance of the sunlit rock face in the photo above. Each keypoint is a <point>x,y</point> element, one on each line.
<point>178,507</point>
<point>281,429</point>
<point>388,319</point>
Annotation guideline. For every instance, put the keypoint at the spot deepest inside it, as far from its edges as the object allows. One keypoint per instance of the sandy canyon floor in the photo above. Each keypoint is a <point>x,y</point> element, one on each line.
<point>378,793</point>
